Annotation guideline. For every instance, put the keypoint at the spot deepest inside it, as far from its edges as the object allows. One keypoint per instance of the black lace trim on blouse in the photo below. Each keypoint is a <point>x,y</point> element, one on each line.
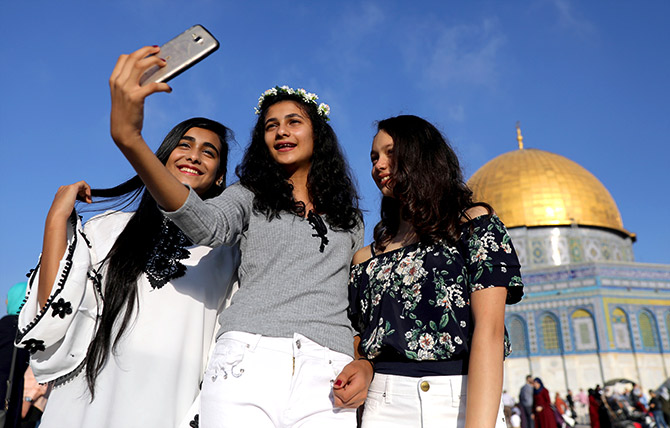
<point>66,378</point>
<point>58,287</point>
<point>164,263</point>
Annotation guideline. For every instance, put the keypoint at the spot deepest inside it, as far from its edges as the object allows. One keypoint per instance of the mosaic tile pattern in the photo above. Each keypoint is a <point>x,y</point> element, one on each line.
<point>563,245</point>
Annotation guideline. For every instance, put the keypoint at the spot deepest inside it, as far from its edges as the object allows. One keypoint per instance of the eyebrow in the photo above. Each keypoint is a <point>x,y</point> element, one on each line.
<point>206,143</point>
<point>385,146</point>
<point>285,117</point>
<point>212,146</point>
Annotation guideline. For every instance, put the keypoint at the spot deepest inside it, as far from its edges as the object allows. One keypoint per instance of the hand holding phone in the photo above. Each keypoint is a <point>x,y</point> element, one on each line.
<point>182,53</point>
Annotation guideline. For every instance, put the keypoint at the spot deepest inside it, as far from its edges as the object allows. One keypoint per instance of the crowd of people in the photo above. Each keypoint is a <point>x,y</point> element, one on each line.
<point>257,303</point>
<point>598,407</point>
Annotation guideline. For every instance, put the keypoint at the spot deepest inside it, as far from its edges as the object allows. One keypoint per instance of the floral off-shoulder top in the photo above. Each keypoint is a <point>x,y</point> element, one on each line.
<point>415,300</point>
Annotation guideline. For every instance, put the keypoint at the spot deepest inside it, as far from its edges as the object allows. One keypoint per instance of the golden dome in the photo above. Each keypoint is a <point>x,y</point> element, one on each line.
<point>530,187</point>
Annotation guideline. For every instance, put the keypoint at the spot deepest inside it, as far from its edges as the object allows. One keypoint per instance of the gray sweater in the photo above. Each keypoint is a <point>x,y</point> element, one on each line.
<point>286,284</point>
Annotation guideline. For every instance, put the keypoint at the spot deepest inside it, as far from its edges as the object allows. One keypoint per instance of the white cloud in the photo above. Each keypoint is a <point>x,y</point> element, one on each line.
<point>459,54</point>
<point>571,19</point>
<point>350,35</point>
<point>456,113</point>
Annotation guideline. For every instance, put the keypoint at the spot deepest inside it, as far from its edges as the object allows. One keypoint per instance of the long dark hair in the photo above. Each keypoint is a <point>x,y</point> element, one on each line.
<point>428,185</point>
<point>329,181</point>
<point>133,247</point>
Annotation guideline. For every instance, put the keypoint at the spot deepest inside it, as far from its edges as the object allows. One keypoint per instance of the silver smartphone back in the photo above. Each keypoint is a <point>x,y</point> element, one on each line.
<point>182,53</point>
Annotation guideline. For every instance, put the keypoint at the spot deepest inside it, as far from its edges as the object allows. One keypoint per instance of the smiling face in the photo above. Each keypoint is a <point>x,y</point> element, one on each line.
<point>289,136</point>
<point>196,159</point>
<point>381,157</point>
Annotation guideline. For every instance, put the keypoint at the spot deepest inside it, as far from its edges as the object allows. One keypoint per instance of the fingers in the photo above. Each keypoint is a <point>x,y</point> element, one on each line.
<point>342,379</point>
<point>127,113</point>
<point>126,65</point>
<point>65,198</point>
<point>154,87</point>
<point>83,191</point>
<point>117,68</point>
<point>130,68</point>
<point>350,388</point>
<point>349,397</point>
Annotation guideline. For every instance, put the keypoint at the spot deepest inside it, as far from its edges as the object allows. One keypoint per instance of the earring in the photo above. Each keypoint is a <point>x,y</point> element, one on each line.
<point>220,182</point>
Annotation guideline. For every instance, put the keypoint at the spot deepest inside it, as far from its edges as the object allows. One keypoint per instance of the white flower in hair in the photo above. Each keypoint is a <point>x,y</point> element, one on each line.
<point>324,109</point>
<point>308,97</point>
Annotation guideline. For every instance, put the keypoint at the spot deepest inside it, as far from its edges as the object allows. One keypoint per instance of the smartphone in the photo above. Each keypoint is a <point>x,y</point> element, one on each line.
<point>182,53</point>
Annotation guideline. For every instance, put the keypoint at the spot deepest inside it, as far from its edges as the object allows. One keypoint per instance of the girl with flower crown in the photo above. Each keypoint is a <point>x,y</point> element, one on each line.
<point>285,336</point>
<point>428,295</point>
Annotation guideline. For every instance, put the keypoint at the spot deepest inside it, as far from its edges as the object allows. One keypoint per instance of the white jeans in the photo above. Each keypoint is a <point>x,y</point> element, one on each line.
<point>418,402</point>
<point>258,381</point>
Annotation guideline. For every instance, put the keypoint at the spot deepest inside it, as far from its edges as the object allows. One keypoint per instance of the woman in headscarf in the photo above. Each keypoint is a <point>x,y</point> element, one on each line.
<point>542,411</point>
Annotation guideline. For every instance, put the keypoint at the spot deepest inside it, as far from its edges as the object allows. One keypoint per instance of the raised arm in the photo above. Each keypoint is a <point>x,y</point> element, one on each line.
<point>126,122</point>
<point>55,234</point>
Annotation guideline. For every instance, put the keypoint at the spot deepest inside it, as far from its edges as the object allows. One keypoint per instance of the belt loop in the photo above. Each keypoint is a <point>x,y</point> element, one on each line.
<point>457,394</point>
<point>387,389</point>
<point>253,341</point>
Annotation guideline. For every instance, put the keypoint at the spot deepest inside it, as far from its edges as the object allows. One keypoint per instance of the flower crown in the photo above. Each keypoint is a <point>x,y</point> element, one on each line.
<point>307,97</point>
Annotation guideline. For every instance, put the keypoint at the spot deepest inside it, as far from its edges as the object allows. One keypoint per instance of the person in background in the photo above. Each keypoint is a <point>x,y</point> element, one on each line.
<point>563,411</point>
<point>571,403</point>
<point>638,399</point>
<point>560,404</point>
<point>526,402</point>
<point>515,419</point>
<point>656,409</point>
<point>8,329</point>
<point>542,410</point>
<point>582,407</point>
<point>664,398</point>
<point>594,408</point>
<point>34,400</point>
<point>508,404</point>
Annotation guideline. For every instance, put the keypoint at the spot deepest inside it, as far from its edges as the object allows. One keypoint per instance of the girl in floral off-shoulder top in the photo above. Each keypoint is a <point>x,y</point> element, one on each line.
<point>428,296</point>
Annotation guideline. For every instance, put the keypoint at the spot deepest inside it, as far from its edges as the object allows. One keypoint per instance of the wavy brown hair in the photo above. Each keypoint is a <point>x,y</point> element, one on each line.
<point>330,184</point>
<point>429,190</point>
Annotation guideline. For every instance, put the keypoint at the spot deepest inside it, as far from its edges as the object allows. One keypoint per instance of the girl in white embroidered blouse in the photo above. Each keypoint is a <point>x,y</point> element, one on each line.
<point>117,317</point>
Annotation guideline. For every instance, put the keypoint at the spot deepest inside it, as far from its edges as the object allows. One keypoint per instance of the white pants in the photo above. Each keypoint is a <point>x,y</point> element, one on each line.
<point>258,381</point>
<point>418,402</point>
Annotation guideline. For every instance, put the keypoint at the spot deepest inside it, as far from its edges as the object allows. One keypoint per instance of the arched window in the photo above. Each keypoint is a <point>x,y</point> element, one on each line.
<point>517,334</point>
<point>648,330</point>
<point>549,333</point>
<point>584,331</point>
<point>620,329</point>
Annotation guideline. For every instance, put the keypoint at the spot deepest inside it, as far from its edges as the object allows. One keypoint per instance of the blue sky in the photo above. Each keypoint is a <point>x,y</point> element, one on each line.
<point>587,80</point>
